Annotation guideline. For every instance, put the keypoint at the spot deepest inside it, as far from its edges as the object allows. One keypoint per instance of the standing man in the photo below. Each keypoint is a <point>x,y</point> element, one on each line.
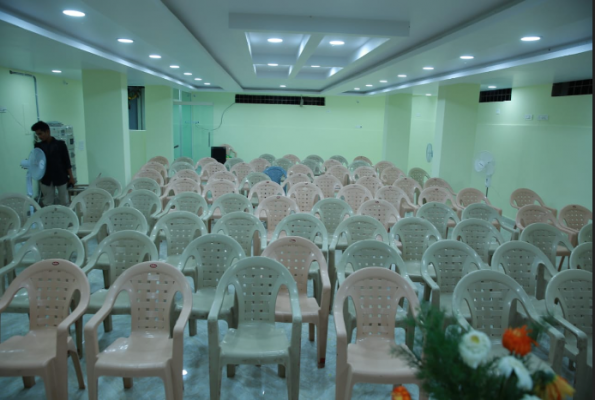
<point>58,170</point>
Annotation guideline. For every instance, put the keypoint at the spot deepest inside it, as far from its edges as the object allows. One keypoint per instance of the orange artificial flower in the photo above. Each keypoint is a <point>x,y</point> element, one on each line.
<point>517,341</point>
<point>557,389</point>
<point>400,393</point>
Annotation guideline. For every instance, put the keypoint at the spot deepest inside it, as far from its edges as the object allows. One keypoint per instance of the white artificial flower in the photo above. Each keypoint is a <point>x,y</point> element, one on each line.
<point>474,348</point>
<point>530,397</point>
<point>508,364</point>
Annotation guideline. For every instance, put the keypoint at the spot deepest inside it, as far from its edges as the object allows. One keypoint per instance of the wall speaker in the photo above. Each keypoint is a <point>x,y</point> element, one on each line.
<point>219,154</point>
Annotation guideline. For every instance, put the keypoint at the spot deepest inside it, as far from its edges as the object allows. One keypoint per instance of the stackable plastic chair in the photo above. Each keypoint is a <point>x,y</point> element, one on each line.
<point>298,255</point>
<point>548,239</point>
<point>10,224</point>
<point>294,180</point>
<point>269,157</point>
<point>440,215</point>
<point>187,201</point>
<point>341,173</point>
<point>370,358</point>
<point>149,350</point>
<point>184,159</point>
<point>292,157</point>
<point>341,159</point>
<point>178,186</point>
<point>225,175</point>
<point>398,198</point>
<point>145,201</point>
<point>328,184</point>
<point>140,183</point>
<point>312,165</point>
<point>21,204</point>
<point>160,159</point>
<point>439,182</point>
<point>241,170</point>
<point>586,234</point>
<point>49,217</point>
<point>531,214</point>
<point>371,183</point>
<point>160,168</point>
<point>257,282</point>
<point>316,158</point>
<point>418,174</point>
<point>210,256</point>
<point>490,214</point>
<point>209,169</point>
<point>572,291</point>
<point>356,164</point>
<point>186,173</point>
<point>250,180</point>
<point>89,205</point>
<point>260,164</point>
<point>204,161</point>
<point>282,163</point>
<point>300,169</point>
<point>330,163</point>
<point>179,166</point>
<point>246,229</point>
<point>381,210</point>
<point>411,188</point>
<point>469,196</point>
<point>360,172</point>
<point>573,217</point>
<point>582,257</point>
<point>437,194</point>
<point>110,185</point>
<point>491,297</point>
<point>381,166</point>
<point>390,174</point>
<point>355,195</point>
<point>44,350</point>
<point>230,162</point>
<point>228,203</point>
<point>265,189</point>
<point>331,212</point>
<point>218,187</point>
<point>148,173</point>
<point>305,194</point>
<point>415,236</point>
<point>276,173</point>
<point>273,209</point>
<point>523,197</point>
<point>480,235</point>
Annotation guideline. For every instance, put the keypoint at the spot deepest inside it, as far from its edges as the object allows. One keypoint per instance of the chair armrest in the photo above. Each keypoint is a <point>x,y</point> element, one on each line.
<point>433,287</point>
<point>5,270</point>
<point>6,297</point>
<point>326,289</point>
<point>296,321</point>
<point>341,334</point>
<point>90,330</point>
<point>514,231</point>
<point>557,344</point>
<point>553,210</point>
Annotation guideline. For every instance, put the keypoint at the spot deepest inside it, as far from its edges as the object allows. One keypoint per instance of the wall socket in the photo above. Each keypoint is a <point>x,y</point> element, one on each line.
<point>2,109</point>
<point>528,116</point>
<point>544,117</point>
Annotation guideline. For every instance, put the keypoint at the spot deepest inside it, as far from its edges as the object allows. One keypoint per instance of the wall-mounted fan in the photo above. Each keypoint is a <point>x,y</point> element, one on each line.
<point>429,152</point>
<point>35,166</point>
<point>484,163</point>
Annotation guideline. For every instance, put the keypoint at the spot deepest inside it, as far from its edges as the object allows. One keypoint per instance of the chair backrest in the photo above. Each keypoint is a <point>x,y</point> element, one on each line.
<point>410,186</point>
<point>370,253</point>
<point>295,179</point>
<point>210,168</point>
<point>257,281</point>
<point>110,185</point>
<point>213,254</point>
<point>416,235</point>
<point>381,166</point>
<point>283,163</point>
<point>437,194</point>
<point>161,160</point>
<point>297,255</point>
<point>363,158</point>
<point>381,210</point>
<point>330,163</point>
<point>396,196</point>
<point>572,290</point>
<point>521,261</point>
<point>305,194</point>
<point>372,183</point>
<point>52,243</point>
<point>390,174</point>
<point>303,225</point>
<point>179,229</point>
<point>546,238</point>
<point>360,227</point>
<point>489,296</point>
<point>574,216</point>
<point>276,173</point>
<point>341,159</point>
<point>178,166</point>
<point>204,161</point>
<point>478,234</point>
<point>582,257</point>
<point>51,285</point>
<point>379,289</point>
<point>142,183</point>
<point>439,214</point>
<point>265,189</point>
<point>358,163</point>
<point>241,170</point>
<point>20,203</point>
<point>269,157</point>
<point>232,202</point>
<point>10,223</point>
<point>275,208</point>
<point>148,173</point>
<point>156,166</point>
<point>188,201</point>
<point>50,217</point>
<point>145,201</point>
<point>184,159</point>
<point>219,187</point>
<point>252,179</point>
<point>186,173</point>
<point>230,162</point>
<point>523,197</point>
<point>90,204</point>
<point>355,195</point>
<point>469,196</point>
<point>316,158</point>
<point>292,157</point>
<point>242,227</point>
<point>182,185</point>
<point>120,219</point>
<point>360,172</point>
<point>439,182</point>
<point>340,172</point>
<point>313,164</point>
<point>260,164</point>
<point>586,233</point>
<point>328,184</point>
<point>300,169</point>
<point>332,212</point>
<point>482,211</point>
<point>418,174</point>
<point>531,214</point>
<point>451,260</point>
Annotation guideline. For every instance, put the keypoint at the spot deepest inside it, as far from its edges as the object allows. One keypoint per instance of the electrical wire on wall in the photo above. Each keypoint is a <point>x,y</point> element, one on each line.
<point>220,123</point>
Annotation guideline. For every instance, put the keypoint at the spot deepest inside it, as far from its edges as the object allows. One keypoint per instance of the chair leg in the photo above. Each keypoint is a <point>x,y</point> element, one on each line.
<point>321,340</point>
<point>127,382</point>
<point>311,332</point>
<point>78,327</point>
<point>107,324</point>
<point>281,370</point>
<point>106,278</point>
<point>168,383</point>
<point>231,370</point>
<point>77,369</point>
<point>192,327</point>
<point>214,378</point>
<point>332,273</point>
<point>49,381</point>
<point>28,381</point>
<point>561,262</point>
<point>178,384</point>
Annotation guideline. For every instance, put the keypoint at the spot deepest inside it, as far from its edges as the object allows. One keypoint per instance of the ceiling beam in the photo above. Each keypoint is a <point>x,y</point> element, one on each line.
<point>322,25</point>
<point>307,48</point>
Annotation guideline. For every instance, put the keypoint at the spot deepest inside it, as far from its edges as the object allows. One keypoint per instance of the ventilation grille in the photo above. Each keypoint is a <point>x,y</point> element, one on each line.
<point>291,100</point>
<point>491,96</point>
<point>573,88</point>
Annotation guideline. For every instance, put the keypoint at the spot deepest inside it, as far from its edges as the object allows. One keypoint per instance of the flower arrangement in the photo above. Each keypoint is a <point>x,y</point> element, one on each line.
<point>456,363</point>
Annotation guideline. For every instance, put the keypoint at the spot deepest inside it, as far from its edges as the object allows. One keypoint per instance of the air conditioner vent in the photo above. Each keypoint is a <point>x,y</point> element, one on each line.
<point>291,100</point>
<point>491,96</point>
<point>573,88</point>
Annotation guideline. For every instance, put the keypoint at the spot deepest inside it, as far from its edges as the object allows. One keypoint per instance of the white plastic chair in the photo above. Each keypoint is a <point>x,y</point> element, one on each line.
<point>294,180</point>
<point>89,206</point>
<point>381,166</point>
<point>531,214</point>
<point>187,201</point>
<point>548,239</point>
<point>49,217</point>
<point>586,234</point>
<point>160,159</point>
<point>148,173</point>
<point>269,157</point>
<point>283,163</point>
<point>330,163</point>
<point>140,183</point>
<point>572,291</point>
<point>293,158</point>
<point>522,197</point>
<point>439,195</point>
<point>411,187</point>
<point>209,169</point>
<point>363,158</point>
<point>398,198</point>
<point>250,180</point>
<point>305,194</point>
<point>440,215</point>
<point>275,208</point>
<point>230,162</point>
<point>186,173</point>
<point>439,182</point>
<point>184,159</point>
<point>582,257</point>
<point>480,235</point>
<point>260,164</point>
<point>341,173</point>
<point>265,189</point>
<point>298,255</point>
<point>228,203</point>
<point>160,168</point>
<point>110,185</point>
<point>202,162</point>
<point>355,195</point>
<point>149,350</point>
<point>301,169</point>
<point>418,174</point>
<point>469,196</point>
<point>371,183</point>
<point>246,229</point>
<point>44,350</point>
<point>573,217</point>
<point>341,159</point>
<point>21,204</point>
<point>10,224</point>
<point>178,186</point>
<point>218,187</point>
<point>369,359</point>
<point>241,170</point>
<point>490,214</point>
<point>389,175</point>
<point>313,164</point>
<point>257,282</point>
<point>177,166</point>
<point>210,256</point>
<point>331,212</point>
<point>328,184</point>
<point>360,172</point>
<point>316,158</point>
<point>225,175</point>
<point>381,210</point>
<point>415,236</point>
<point>145,201</point>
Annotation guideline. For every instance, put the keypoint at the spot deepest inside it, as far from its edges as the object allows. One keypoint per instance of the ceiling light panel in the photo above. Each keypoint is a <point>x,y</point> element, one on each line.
<point>316,74</point>
<point>259,44</point>
<point>270,72</point>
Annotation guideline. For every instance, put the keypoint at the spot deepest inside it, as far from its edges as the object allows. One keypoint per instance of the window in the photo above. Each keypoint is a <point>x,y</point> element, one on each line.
<point>136,108</point>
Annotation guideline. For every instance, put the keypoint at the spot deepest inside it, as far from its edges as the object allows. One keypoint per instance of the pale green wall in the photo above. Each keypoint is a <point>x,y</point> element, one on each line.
<point>158,122</point>
<point>423,123</point>
<point>553,158</point>
<point>138,151</point>
<point>397,129</point>
<point>57,102</point>
<point>253,129</point>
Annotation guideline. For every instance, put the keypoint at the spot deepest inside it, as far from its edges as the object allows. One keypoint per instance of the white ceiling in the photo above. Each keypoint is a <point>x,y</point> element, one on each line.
<point>224,43</point>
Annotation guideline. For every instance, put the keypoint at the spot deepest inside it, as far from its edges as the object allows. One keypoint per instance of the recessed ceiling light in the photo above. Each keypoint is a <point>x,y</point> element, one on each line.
<point>73,13</point>
<point>197,79</point>
<point>369,85</point>
<point>402,76</point>
<point>56,71</point>
<point>207,83</point>
<point>315,66</point>
<point>336,43</point>
<point>272,64</point>
<point>383,81</point>
<point>275,40</point>
<point>356,88</point>
<point>125,40</point>
<point>428,94</point>
<point>174,66</point>
<point>467,57</point>
<point>187,73</point>
<point>428,68</point>
<point>492,87</point>
<point>530,38</point>
<point>281,85</point>
<point>155,56</point>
